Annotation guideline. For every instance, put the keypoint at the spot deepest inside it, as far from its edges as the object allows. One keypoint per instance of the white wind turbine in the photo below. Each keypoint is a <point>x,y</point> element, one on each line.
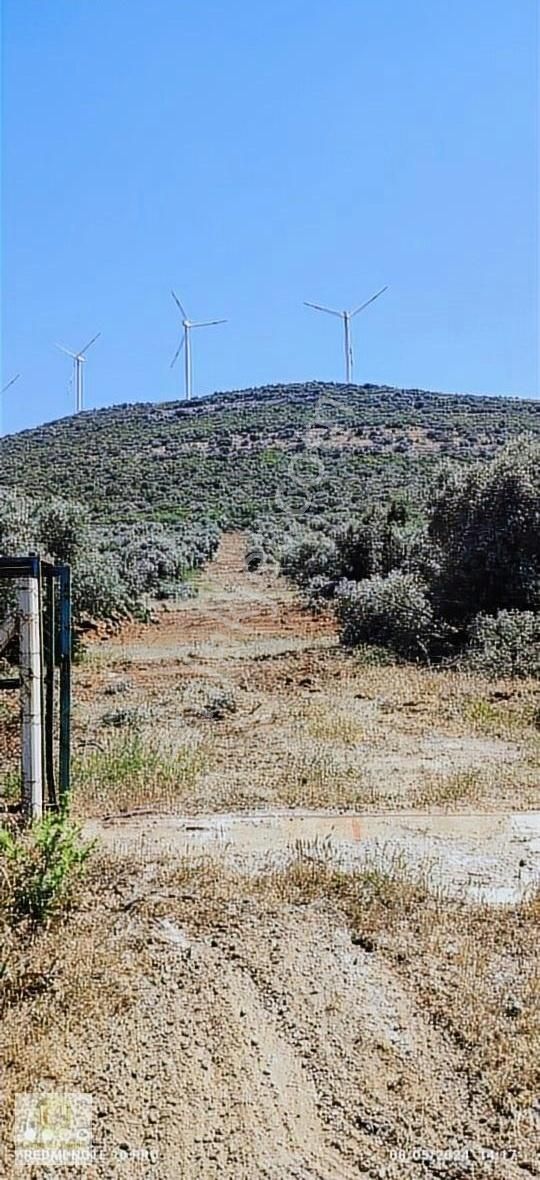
<point>185,343</point>
<point>2,392</point>
<point>78,359</point>
<point>347,316</point>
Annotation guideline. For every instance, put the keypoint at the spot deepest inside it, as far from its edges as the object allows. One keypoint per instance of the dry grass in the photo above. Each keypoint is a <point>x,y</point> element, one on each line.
<point>451,790</point>
<point>69,973</point>
<point>128,770</point>
<point>313,726</point>
<point>331,723</point>
<point>475,969</point>
<point>504,711</point>
<point>316,777</point>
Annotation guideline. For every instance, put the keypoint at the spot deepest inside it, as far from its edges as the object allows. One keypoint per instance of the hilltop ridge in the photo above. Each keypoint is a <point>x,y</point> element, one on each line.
<point>228,455</point>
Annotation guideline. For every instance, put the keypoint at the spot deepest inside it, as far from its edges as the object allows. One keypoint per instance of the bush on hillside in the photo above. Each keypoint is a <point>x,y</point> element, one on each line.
<point>17,522</point>
<point>392,612</point>
<point>63,530</point>
<point>379,542</point>
<point>477,554</point>
<point>311,557</point>
<point>505,644</point>
<point>485,525</point>
<point>382,539</point>
<point>98,591</point>
<point>156,560</point>
<point>111,567</point>
<point>17,535</point>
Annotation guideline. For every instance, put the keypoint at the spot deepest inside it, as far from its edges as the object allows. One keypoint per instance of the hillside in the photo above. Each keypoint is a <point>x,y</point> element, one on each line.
<point>288,449</point>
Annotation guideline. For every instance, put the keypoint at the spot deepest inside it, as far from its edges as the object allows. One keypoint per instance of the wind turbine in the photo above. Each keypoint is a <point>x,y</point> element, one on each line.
<point>78,362</point>
<point>185,343</point>
<point>347,316</point>
<point>3,391</point>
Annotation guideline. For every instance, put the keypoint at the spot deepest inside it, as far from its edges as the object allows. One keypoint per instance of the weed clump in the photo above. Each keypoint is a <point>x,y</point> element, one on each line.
<point>40,869</point>
<point>505,644</point>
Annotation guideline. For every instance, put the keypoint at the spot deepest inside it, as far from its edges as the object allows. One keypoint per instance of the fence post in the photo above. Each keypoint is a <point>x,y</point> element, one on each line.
<point>65,681</point>
<point>31,695</point>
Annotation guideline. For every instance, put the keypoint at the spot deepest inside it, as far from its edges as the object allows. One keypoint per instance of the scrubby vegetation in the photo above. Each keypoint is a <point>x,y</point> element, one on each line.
<point>393,612</point>
<point>114,567</point>
<point>505,644</point>
<point>461,579</point>
<point>39,869</point>
<point>411,491</point>
<point>295,452</point>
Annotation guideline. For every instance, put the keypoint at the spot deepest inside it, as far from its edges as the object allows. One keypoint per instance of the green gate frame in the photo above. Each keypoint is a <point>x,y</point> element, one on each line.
<point>54,588</point>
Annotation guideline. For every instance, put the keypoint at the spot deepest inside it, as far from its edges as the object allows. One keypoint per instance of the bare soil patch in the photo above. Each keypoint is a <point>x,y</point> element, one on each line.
<point>299,1024</point>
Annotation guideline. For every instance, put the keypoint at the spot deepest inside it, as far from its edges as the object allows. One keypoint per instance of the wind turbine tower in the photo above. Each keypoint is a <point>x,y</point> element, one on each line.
<point>78,362</point>
<point>347,316</point>
<point>185,343</point>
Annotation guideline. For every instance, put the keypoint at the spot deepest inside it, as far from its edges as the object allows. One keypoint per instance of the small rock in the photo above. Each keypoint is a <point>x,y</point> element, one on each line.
<point>365,941</point>
<point>512,1007</point>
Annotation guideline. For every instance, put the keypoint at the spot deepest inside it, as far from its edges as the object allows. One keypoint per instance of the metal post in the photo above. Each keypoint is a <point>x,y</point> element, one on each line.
<point>50,662</point>
<point>31,694</point>
<point>64,574</point>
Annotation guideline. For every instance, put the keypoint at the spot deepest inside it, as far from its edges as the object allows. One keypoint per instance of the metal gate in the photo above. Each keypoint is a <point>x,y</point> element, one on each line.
<point>42,618</point>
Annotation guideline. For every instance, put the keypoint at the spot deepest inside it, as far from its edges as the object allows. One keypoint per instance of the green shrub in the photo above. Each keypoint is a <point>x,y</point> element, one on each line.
<point>98,590</point>
<point>113,566</point>
<point>378,542</point>
<point>392,612</point>
<point>16,536</point>
<point>63,530</point>
<point>153,559</point>
<point>486,527</point>
<point>39,869</point>
<point>505,644</point>
<point>16,522</point>
<point>310,557</point>
<point>360,546</point>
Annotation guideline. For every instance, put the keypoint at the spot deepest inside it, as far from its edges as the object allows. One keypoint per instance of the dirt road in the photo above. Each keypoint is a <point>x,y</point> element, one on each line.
<point>279,719</point>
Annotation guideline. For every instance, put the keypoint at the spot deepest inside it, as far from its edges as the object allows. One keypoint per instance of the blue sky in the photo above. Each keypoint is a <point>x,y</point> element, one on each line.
<point>253,155</point>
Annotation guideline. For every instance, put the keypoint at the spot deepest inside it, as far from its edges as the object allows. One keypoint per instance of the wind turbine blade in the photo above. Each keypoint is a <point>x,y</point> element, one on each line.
<point>73,355</point>
<point>179,305</point>
<point>87,346</point>
<point>10,383</point>
<point>318,307</point>
<point>178,351</point>
<point>207,323</point>
<point>368,301</point>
